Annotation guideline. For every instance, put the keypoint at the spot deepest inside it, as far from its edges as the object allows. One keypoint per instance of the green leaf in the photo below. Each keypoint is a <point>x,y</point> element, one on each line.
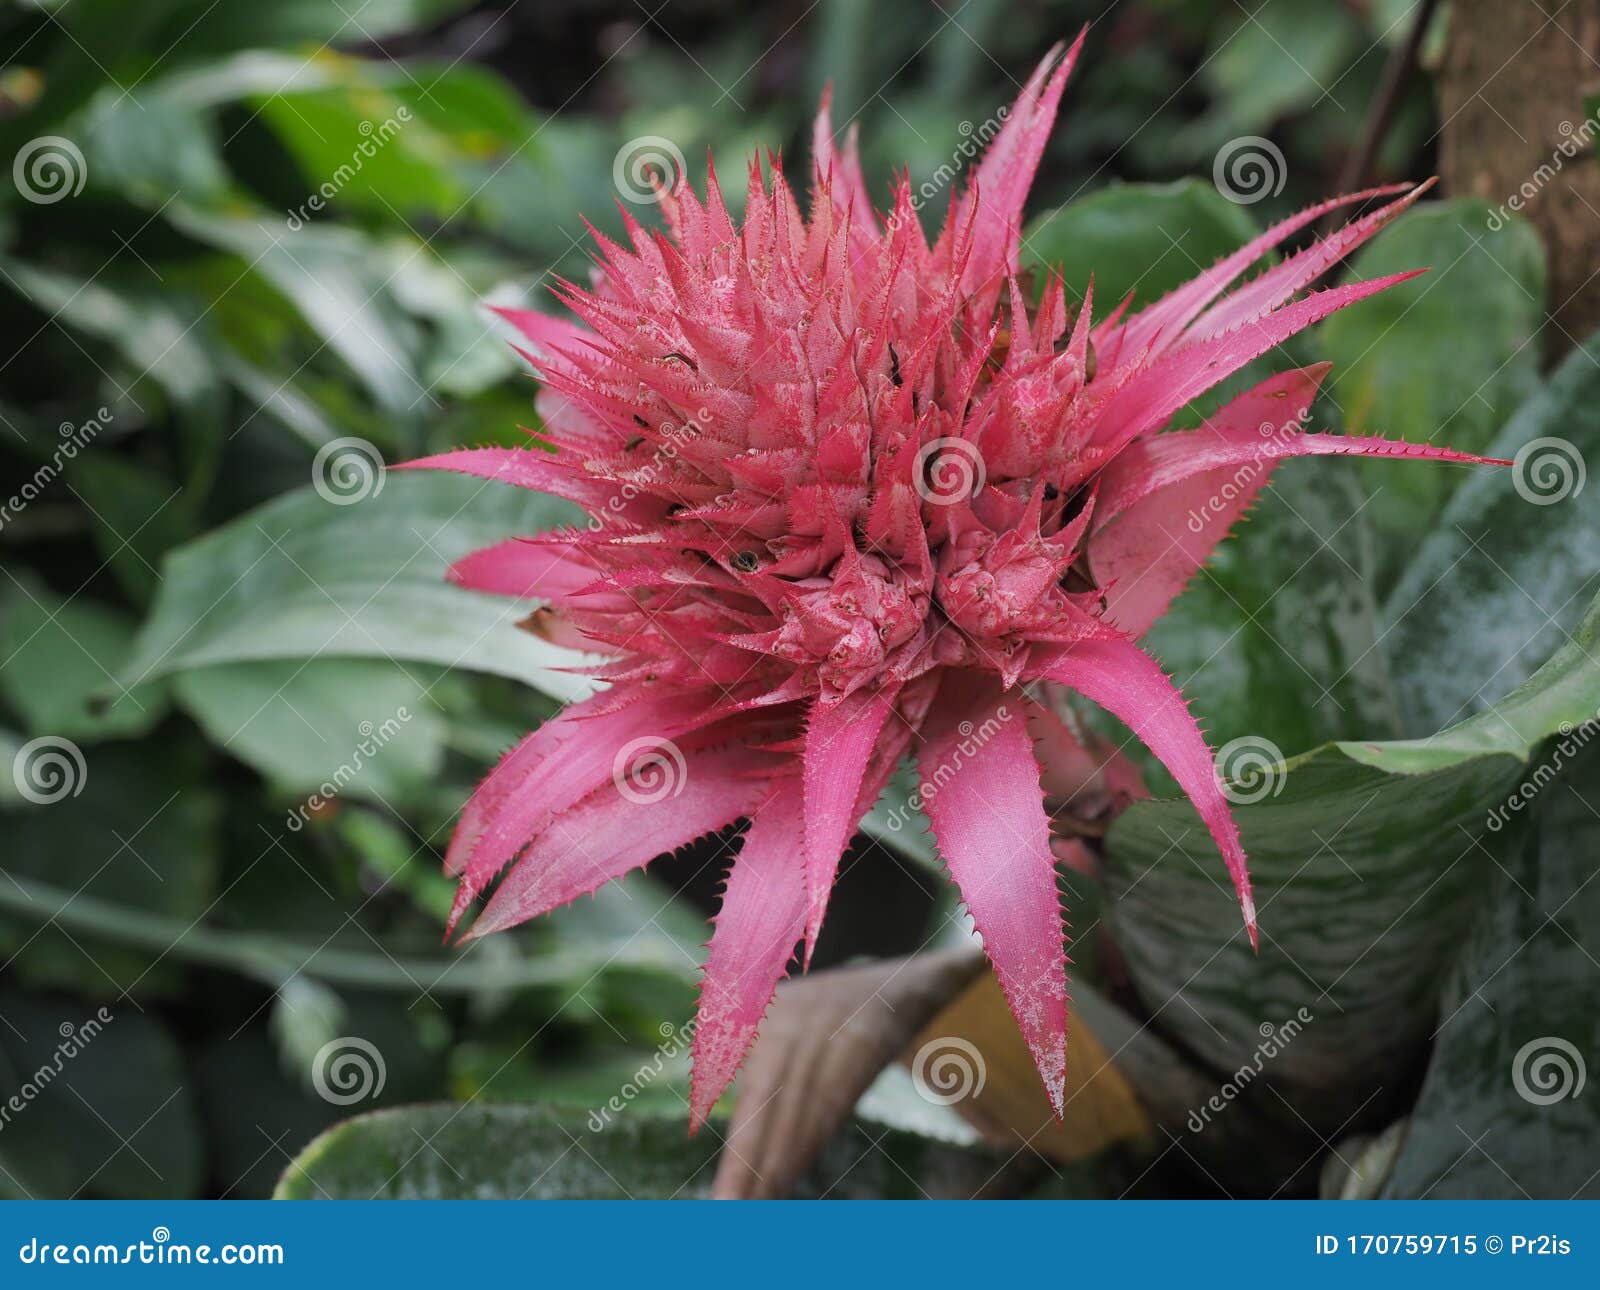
<point>151,147</point>
<point>1368,862</point>
<point>147,331</point>
<point>1441,359</point>
<point>1505,1110</point>
<point>396,143</point>
<point>111,1112</point>
<point>1144,238</point>
<point>303,577</point>
<point>544,1152</point>
<point>332,277</point>
<point>56,654</point>
<point>500,1152</point>
<point>1502,581</point>
<point>1255,77</point>
<point>357,727</point>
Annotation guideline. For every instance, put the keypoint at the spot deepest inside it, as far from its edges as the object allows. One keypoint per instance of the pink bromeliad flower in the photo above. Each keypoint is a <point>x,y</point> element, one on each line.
<point>851,494</point>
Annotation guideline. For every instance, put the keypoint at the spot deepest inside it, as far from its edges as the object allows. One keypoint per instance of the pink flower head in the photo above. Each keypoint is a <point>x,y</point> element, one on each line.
<point>850,493</point>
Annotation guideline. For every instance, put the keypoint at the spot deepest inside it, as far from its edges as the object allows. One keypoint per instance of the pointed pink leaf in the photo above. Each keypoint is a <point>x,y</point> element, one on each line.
<point>981,791</point>
<point>761,919</point>
<point>610,832</point>
<point>541,471</point>
<point>1270,289</point>
<point>1157,521</point>
<point>839,744</point>
<point>1168,500</point>
<point>1148,556</point>
<point>1168,317</point>
<point>522,569</point>
<point>1128,683</point>
<point>839,173</point>
<point>552,769</point>
<point>1182,375</point>
<point>1000,185</point>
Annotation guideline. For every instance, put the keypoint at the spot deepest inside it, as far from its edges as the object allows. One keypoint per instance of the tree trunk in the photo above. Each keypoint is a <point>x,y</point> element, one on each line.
<point>1516,133</point>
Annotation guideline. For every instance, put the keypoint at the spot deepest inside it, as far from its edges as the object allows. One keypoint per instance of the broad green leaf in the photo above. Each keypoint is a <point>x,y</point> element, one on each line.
<point>362,727</point>
<point>1144,238</point>
<point>332,277</point>
<point>1442,359</point>
<point>105,40</point>
<point>304,577</point>
<point>655,1081</point>
<point>284,401</point>
<point>500,1152</point>
<point>446,142</point>
<point>1507,1109</point>
<point>56,655</point>
<point>1506,573</point>
<point>108,1110</point>
<point>395,143</point>
<point>150,147</point>
<point>545,1152</point>
<point>1369,861</point>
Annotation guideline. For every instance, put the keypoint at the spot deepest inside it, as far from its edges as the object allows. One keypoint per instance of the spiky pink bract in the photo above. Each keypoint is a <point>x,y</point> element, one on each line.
<point>850,493</point>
